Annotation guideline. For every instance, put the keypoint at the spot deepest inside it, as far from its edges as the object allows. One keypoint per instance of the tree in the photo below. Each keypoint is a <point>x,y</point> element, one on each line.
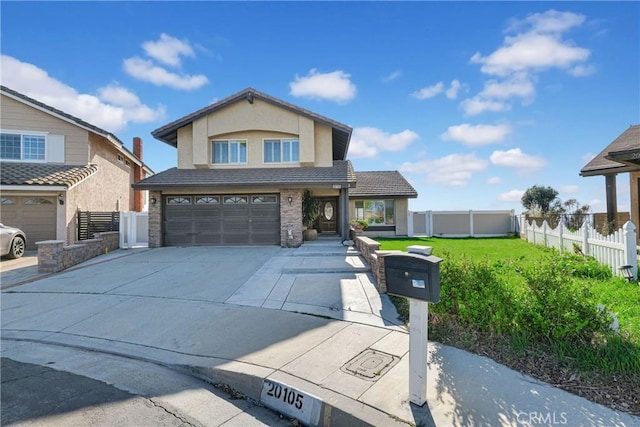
<point>575,214</point>
<point>539,200</point>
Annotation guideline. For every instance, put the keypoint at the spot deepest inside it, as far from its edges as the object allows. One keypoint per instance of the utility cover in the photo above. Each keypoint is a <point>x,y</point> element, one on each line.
<point>370,365</point>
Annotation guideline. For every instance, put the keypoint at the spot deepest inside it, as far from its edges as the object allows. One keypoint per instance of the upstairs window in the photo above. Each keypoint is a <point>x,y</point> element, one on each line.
<point>22,146</point>
<point>281,150</point>
<point>230,151</point>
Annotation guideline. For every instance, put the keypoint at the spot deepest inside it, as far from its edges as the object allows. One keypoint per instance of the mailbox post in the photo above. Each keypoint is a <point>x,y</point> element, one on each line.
<point>416,277</point>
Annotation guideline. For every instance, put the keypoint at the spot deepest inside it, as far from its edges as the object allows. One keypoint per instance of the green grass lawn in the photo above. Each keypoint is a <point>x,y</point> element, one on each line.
<point>515,267</point>
<point>493,249</point>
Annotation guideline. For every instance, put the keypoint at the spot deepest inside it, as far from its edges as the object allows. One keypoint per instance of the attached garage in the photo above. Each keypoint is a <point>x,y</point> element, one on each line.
<point>35,215</point>
<point>217,220</point>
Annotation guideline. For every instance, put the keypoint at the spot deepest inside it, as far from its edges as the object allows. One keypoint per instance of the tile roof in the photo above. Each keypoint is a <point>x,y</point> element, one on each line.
<point>44,174</point>
<point>341,133</point>
<point>341,173</point>
<point>382,184</point>
<point>629,140</point>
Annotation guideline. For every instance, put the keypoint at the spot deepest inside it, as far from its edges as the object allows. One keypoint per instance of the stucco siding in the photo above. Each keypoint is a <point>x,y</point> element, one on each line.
<point>253,122</point>
<point>18,116</point>
<point>185,147</point>
<point>402,206</point>
<point>323,137</point>
<point>110,188</point>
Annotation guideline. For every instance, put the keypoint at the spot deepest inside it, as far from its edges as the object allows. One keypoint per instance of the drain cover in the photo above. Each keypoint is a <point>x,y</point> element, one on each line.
<point>370,364</point>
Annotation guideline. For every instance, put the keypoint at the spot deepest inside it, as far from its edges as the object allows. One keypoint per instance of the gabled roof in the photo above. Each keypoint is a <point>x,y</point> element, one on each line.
<point>292,177</point>
<point>73,120</point>
<point>622,155</point>
<point>44,174</point>
<point>341,133</point>
<point>382,184</point>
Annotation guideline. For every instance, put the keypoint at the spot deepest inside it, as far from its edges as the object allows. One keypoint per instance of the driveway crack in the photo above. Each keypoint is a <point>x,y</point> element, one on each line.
<point>172,413</point>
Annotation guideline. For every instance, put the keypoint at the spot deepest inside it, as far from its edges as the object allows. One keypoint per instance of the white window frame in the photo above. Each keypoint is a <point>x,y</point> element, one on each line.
<point>230,142</point>
<point>22,134</point>
<point>282,142</point>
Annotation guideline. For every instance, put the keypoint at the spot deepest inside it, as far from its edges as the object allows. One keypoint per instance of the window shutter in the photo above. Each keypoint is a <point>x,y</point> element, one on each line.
<point>55,148</point>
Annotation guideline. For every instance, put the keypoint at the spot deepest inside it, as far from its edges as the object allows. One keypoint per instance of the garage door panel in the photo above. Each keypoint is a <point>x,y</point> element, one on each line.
<point>36,216</point>
<point>236,220</point>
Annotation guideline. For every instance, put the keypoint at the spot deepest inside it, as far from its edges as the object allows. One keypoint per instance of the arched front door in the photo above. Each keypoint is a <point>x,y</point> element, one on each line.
<point>329,215</point>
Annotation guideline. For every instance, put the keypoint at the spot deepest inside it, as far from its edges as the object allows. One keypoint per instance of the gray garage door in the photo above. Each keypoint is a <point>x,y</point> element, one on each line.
<point>220,220</point>
<point>36,216</point>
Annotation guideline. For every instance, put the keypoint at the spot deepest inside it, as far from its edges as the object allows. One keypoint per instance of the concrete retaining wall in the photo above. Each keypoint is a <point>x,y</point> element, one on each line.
<point>54,256</point>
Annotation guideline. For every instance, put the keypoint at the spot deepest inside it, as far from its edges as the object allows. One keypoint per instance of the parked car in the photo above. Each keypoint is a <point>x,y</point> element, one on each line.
<point>12,241</point>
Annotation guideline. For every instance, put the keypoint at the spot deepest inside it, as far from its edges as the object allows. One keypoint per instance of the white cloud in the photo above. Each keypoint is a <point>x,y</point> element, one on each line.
<point>596,204</point>
<point>112,109</point>
<point>582,70</point>
<point>516,159</point>
<point>168,50</point>
<point>429,91</point>
<point>518,85</point>
<point>476,135</point>
<point>494,180</point>
<point>511,196</point>
<point>454,88</point>
<point>454,170</point>
<point>570,189</point>
<point>477,105</point>
<point>370,141</point>
<point>551,22</point>
<point>335,86</point>
<point>146,70</point>
<point>391,77</point>
<point>539,45</point>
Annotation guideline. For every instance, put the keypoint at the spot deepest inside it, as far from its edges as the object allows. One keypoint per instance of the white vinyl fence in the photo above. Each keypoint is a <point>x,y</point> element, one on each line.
<point>614,250</point>
<point>134,229</point>
<point>461,223</point>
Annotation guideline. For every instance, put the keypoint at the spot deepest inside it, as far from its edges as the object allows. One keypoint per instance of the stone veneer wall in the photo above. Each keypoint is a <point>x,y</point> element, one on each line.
<point>370,250</point>
<point>155,219</point>
<point>290,218</point>
<point>54,256</point>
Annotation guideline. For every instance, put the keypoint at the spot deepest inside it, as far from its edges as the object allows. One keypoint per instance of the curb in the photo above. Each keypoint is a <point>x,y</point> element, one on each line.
<point>335,410</point>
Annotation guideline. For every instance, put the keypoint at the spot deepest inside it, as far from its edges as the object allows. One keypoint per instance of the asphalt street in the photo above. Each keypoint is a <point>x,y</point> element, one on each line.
<point>40,395</point>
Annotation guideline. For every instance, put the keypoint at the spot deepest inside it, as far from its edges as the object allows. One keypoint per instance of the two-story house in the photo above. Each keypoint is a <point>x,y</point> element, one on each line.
<point>53,165</point>
<point>243,165</point>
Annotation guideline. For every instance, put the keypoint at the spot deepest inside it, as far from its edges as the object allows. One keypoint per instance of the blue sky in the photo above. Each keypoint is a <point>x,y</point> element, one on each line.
<point>474,102</point>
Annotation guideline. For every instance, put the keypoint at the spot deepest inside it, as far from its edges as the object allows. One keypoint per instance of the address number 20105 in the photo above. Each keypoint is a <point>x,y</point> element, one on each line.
<point>287,395</point>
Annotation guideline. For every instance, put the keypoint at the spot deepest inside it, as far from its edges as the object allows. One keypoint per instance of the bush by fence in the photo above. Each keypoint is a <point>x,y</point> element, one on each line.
<point>615,250</point>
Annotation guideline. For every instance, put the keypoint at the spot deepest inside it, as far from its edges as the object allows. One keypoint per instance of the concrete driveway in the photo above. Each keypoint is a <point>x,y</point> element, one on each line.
<point>321,278</point>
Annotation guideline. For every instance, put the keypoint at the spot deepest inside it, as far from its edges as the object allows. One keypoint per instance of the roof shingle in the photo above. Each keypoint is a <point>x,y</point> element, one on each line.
<point>600,165</point>
<point>44,174</point>
<point>340,173</point>
<point>382,184</point>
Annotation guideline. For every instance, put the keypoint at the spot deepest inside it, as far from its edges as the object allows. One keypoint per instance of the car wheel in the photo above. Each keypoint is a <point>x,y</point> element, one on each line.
<point>17,248</point>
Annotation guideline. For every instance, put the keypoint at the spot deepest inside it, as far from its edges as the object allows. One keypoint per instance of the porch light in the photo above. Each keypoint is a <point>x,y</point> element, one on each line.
<point>153,201</point>
<point>60,199</point>
<point>627,271</point>
<point>290,199</point>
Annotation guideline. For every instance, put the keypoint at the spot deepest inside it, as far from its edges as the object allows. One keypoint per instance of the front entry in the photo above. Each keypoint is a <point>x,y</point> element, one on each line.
<point>328,220</point>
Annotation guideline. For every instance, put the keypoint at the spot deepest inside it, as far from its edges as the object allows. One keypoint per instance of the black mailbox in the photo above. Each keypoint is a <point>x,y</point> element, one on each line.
<point>413,276</point>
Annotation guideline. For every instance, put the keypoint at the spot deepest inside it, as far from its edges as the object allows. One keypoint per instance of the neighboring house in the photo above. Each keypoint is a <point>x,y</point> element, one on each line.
<point>243,165</point>
<point>620,156</point>
<point>53,164</point>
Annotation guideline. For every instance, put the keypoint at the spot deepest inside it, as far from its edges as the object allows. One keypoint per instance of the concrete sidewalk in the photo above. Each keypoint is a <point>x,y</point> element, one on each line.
<point>194,309</point>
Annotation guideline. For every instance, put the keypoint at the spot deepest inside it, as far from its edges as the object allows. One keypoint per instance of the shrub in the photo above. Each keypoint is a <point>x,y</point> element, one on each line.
<point>541,300</point>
